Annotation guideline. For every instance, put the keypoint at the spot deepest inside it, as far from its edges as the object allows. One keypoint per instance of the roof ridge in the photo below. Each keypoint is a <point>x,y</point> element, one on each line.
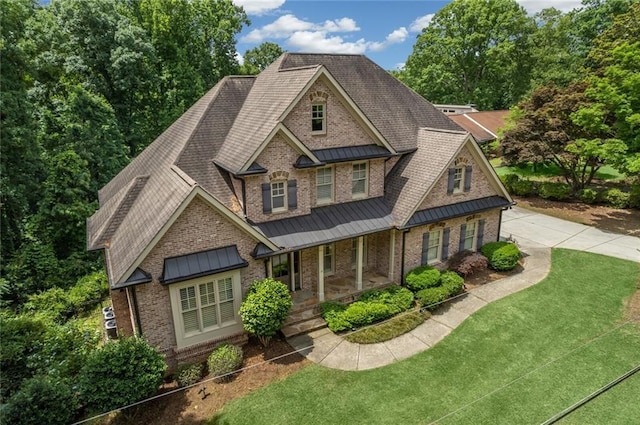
<point>442,130</point>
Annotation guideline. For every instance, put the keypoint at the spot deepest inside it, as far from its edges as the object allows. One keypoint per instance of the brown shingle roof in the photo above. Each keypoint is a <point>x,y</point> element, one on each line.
<point>484,125</point>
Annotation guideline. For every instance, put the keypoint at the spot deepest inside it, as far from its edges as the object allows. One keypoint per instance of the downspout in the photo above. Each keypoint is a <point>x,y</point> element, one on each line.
<point>499,224</point>
<point>404,234</point>
<point>136,311</point>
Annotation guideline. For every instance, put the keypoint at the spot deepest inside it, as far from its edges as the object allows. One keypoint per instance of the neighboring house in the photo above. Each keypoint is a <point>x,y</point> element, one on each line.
<point>323,170</point>
<point>484,125</point>
<point>456,109</point>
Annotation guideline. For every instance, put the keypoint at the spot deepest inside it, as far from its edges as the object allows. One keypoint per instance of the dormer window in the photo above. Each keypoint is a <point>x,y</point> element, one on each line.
<point>318,124</point>
<point>278,196</point>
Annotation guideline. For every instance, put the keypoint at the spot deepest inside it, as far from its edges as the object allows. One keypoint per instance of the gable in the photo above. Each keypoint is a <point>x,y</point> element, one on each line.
<point>344,127</point>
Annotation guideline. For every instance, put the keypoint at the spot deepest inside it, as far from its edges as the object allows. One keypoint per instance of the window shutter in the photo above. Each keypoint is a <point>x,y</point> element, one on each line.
<point>425,248</point>
<point>463,230</point>
<point>452,174</point>
<point>445,243</point>
<point>292,194</point>
<point>480,234</point>
<point>467,178</point>
<point>266,198</point>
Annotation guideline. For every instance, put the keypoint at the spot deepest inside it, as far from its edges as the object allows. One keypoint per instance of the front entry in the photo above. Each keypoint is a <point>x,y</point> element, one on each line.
<point>281,269</point>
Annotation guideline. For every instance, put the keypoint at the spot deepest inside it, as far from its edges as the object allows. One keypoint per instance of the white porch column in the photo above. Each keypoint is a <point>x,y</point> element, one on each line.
<point>392,253</point>
<point>359,265</point>
<point>269,267</point>
<point>321,273</point>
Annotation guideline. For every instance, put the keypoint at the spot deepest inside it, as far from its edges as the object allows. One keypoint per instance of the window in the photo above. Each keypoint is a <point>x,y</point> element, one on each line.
<point>435,246</point>
<point>317,118</point>
<point>458,180</point>
<point>205,308</point>
<point>324,185</point>
<point>359,187</point>
<point>469,236</point>
<point>278,196</point>
<point>354,252</point>
<point>329,260</point>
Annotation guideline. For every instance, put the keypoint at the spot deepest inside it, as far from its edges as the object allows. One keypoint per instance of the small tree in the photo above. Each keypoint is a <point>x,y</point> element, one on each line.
<point>120,373</point>
<point>265,308</point>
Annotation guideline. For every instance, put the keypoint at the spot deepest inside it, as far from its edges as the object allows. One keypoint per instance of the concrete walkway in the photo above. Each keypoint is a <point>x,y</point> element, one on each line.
<point>535,233</point>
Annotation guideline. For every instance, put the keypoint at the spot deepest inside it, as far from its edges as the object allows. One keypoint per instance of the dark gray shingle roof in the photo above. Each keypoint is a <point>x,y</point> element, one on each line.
<point>329,223</point>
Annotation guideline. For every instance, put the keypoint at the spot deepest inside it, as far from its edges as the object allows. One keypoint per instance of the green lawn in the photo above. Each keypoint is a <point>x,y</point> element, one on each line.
<point>519,360</point>
<point>546,172</point>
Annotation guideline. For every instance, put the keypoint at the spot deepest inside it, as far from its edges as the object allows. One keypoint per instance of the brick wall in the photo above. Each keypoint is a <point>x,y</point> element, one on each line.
<point>200,227</point>
<point>480,186</point>
<point>343,129</point>
<point>413,241</point>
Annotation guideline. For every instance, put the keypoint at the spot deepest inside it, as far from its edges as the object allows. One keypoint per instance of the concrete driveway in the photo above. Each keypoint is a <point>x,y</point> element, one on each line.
<point>531,229</point>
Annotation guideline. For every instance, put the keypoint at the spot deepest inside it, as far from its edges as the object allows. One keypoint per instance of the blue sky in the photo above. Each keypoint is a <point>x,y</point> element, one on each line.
<point>384,30</point>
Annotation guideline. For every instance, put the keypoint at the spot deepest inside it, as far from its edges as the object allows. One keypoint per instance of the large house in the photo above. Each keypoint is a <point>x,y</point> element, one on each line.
<point>324,172</point>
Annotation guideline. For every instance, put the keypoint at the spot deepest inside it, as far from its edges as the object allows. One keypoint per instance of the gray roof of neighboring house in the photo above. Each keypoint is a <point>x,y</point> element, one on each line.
<point>329,223</point>
<point>460,209</point>
<point>415,173</point>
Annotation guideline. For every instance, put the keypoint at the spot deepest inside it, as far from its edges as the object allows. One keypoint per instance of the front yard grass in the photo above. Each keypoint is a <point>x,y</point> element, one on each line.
<point>519,360</point>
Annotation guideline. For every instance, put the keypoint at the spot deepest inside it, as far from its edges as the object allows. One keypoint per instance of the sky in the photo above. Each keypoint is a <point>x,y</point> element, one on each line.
<point>383,30</point>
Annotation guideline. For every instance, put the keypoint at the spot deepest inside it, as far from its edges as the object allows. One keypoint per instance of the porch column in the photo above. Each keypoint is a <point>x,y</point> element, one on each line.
<point>392,253</point>
<point>321,273</point>
<point>359,259</point>
<point>292,273</point>
<point>269,267</point>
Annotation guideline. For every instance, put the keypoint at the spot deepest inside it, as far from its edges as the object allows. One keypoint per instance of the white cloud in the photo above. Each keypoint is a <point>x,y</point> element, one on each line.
<point>534,6</point>
<point>286,25</point>
<point>240,58</point>
<point>318,42</point>
<point>258,7</point>
<point>397,36</point>
<point>419,23</point>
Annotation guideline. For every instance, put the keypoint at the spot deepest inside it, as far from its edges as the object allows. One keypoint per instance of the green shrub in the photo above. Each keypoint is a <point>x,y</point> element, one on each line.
<point>452,282</point>
<point>394,327</point>
<point>265,308</point>
<point>362,313</point>
<point>189,374</point>
<point>588,196</point>
<point>329,306</point>
<point>430,298</point>
<point>502,256</point>
<point>634,196</point>
<point>336,321</point>
<point>88,292</point>
<point>120,373</point>
<point>554,191</point>
<point>523,187</point>
<point>395,297</point>
<point>508,181</point>
<point>617,198</point>
<point>422,277</point>
<point>41,401</point>
<point>224,360</point>
<point>54,304</point>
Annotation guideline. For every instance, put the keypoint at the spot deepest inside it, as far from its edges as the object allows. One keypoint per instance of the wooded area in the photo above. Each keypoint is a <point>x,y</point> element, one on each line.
<point>87,85</point>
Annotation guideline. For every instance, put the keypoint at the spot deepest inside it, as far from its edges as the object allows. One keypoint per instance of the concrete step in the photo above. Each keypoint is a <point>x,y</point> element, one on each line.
<point>303,327</point>
<point>302,315</point>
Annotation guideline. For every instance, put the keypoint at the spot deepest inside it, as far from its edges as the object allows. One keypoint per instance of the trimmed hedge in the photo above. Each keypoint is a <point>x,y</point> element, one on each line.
<point>502,256</point>
<point>452,281</point>
<point>523,187</point>
<point>554,191</point>
<point>430,298</point>
<point>422,277</point>
<point>617,198</point>
<point>225,359</point>
<point>588,196</point>
<point>396,298</point>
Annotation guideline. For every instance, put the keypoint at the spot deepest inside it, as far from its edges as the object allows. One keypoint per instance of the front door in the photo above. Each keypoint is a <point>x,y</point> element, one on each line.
<point>281,269</point>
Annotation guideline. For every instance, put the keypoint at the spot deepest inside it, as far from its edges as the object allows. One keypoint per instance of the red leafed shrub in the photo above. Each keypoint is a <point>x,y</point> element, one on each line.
<point>467,263</point>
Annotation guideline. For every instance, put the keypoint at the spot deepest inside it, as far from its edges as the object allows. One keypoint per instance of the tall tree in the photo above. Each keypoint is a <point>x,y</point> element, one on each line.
<point>260,57</point>
<point>548,127</point>
<point>473,51</point>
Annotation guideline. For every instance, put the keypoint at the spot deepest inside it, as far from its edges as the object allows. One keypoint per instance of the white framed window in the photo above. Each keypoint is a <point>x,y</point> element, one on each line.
<point>318,123</point>
<point>278,196</point>
<point>359,180</point>
<point>354,252</point>
<point>458,180</point>
<point>434,250</point>
<point>206,308</point>
<point>329,259</point>
<point>324,185</point>
<point>470,236</point>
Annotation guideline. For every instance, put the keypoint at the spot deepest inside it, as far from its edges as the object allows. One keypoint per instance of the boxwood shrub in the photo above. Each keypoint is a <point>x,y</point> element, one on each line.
<point>523,187</point>
<point>396,298</point>
<point>502,256</point>
<point>422,277</point>
<point>430,298</point>
<point>554,191</point>
<point>588,196</point>
<point>223,360</point>
<point>189,374</point>
<point>452,281</point>
<point>617,198</point>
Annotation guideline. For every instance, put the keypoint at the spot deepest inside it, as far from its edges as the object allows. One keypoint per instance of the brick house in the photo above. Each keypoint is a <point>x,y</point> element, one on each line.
<point>324,172</point>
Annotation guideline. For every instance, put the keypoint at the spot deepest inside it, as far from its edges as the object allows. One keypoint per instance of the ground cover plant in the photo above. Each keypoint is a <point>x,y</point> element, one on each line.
<point>521,359</point>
